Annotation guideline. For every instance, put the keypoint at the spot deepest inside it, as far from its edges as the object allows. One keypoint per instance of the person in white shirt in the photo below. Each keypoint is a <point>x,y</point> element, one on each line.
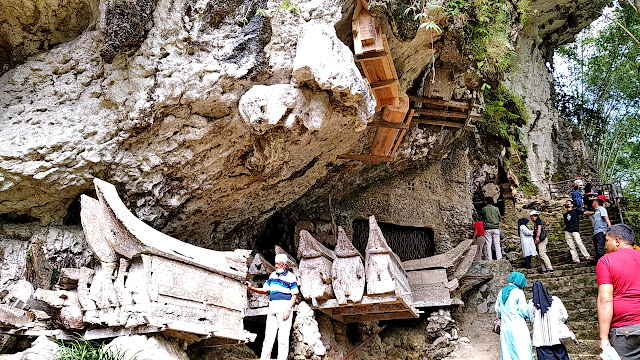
<point>282,287</point>
<point>548,316</point>
<point>526,240</point>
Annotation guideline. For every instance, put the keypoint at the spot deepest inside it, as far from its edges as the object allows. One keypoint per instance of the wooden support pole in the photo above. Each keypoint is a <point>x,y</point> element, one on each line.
<point>353,351</point>
<point>371,56</point>
<point>442,113</point>
<point>401,136</point>
<point>439,102</point>
<point>384,83</point>
<point>443,123</point>
<point>361,157</point>
<point>387,124</point>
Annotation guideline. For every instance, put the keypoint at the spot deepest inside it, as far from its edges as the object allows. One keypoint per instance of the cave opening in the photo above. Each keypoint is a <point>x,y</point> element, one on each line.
<point>407,242</point>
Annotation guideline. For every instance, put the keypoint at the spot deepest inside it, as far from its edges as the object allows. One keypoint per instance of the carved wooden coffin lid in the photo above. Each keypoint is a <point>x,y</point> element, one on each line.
<point>260,266</point>
<point>130,237</point>
<point>310,248</point>
<point>345,247</point>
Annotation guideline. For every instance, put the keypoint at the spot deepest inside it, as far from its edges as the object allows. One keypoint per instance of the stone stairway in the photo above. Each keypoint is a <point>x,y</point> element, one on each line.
<point>574,284</point>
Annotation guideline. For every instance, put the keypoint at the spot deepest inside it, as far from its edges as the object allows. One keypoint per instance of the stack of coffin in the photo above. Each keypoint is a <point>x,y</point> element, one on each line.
<point>145,282</point>
<point>435,280</point>
<point>373,57</point>
<point>339,284</point>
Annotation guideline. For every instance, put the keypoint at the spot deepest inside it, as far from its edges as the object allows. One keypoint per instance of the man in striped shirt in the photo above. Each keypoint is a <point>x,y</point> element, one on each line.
<point>282,287</point>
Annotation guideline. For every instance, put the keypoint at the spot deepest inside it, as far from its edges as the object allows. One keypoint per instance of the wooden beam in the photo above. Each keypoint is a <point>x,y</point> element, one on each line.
<point>442,113</point>
<point>353,351</point>
<point>362,157</point>
<point>440,123</point>
<point>387,124</point>
<point>470,111</point>
<point>401,136</point>
<point>439,102</point>
<point>371,56</point>
<point>377,317</point>
<point>384,83</point>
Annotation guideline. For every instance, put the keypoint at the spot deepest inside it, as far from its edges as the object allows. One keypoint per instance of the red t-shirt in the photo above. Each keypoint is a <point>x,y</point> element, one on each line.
<point>479,226</point>
<point>620,269</point>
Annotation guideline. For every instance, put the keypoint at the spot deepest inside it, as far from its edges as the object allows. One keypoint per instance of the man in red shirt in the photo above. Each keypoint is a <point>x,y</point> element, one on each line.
<point>480,240</point>
<point>619,293</point>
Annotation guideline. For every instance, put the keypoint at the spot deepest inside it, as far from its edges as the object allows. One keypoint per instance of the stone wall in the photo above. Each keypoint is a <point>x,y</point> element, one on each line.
<point>436,196</point>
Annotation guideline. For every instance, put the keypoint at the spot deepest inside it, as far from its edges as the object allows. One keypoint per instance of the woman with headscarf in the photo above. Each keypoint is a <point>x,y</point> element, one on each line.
<point>511,306</point>
<point>548,315</point>
<point>526,239</point>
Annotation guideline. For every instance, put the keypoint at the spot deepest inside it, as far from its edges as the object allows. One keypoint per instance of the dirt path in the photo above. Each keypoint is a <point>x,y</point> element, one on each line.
<point>483,343</point>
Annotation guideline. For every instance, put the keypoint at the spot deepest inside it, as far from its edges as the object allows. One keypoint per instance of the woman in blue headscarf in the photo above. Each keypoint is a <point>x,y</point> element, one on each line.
<point>511,306</point>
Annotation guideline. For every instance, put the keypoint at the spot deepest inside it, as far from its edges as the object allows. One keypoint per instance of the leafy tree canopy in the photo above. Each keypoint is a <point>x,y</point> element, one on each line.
<point>598,80</point>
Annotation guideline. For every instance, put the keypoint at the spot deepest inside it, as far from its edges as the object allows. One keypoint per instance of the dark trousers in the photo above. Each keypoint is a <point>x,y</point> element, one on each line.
<point>527,262</point>
<point>555,352</point>
<point>599,241</point>
<point>626,341</point>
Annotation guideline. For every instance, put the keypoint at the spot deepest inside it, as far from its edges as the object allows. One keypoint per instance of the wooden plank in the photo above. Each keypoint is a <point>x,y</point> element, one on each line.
<point>383,141</point>
<point>465,264</point>
<point>441,113</point>
<point>379,317</point>
<point>401,136</point>
<point>386,48</point>
<point>439,102</point>
<point>384,83</point>
<point>362,157</point>
<point>370,56</point>
<point>388,124</point>
<point>469,112</point>
<point>367,309</point>
<point>442,123</point>
<point>443,261</point>
<point>366,300</point>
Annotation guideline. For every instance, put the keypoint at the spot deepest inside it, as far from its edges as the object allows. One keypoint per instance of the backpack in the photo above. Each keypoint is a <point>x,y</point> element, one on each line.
<point>577,197</point>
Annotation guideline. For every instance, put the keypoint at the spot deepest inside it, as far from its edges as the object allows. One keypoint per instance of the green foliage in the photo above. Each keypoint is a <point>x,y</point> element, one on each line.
<point>487,29</point>
<point>81,349</point>
<point>504,114</point>
<point>599,94</point>
<point>526,186</point>
<point>285,5</point>
<point>424,12</point>
<point>28,256</point>
<point>55,275</point>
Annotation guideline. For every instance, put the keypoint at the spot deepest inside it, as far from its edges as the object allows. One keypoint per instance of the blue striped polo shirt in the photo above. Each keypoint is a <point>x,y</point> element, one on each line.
<point>282,286</point>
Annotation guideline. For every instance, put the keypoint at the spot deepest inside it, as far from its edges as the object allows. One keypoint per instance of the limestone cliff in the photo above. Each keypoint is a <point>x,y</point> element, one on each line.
<point>220,123</point>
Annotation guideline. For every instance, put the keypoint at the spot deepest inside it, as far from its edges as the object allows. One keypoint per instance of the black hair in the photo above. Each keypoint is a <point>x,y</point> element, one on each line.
<point>572,202</point>
<point>489,200</point>
<point>587,188</point>
<point>600,201</point>
<point>575,187</point>
<point>622,231</point>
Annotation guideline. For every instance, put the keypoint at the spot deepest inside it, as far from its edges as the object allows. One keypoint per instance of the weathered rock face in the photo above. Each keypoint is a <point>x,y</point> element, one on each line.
<point>29,27</point>
<point>211,118</point>
<point>38,253</point>
<point>164,122</point>
<point>554,149</point>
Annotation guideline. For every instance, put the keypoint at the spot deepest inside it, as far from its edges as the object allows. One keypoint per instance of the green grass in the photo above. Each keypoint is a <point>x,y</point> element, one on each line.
<point>81,349</point>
